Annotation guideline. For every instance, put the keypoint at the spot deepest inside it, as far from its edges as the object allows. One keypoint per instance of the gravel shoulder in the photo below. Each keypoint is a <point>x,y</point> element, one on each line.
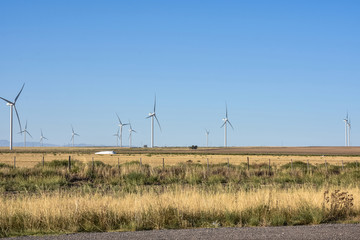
<point>324,231</point>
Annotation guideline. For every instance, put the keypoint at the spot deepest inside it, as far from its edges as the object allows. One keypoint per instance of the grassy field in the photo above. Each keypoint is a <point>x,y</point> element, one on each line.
<point>107,195</point>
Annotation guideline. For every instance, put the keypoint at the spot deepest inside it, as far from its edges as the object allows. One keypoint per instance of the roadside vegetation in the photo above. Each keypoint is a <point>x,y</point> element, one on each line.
<point>94,196</point>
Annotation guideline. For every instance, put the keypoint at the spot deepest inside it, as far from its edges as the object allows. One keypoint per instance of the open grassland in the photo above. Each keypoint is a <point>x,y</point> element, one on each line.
<point>135,191</point>
<point>29,157</point>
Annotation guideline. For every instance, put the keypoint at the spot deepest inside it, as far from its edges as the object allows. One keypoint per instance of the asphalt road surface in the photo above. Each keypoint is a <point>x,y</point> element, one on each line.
<point>325,231</point>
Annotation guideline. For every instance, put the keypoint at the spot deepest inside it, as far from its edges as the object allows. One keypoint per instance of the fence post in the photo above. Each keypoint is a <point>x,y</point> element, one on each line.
<point>14,162</point>
<point>307,166</point>
<point>248,163</point>
<point>140,162</point>
<point>163,163</point>
<point>326,166</point>
<point>291,166</point>
<point>43,161</point>
<point>207,160</point>
<point>69,165</point>
<point>118,163</point>
<point>93,164</point>
<point>269,167</point>
<point>342,164</point>
<point>356,163</point>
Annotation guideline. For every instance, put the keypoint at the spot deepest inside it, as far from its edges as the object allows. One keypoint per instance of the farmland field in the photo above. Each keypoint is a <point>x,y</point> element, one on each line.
<point>211,187</point>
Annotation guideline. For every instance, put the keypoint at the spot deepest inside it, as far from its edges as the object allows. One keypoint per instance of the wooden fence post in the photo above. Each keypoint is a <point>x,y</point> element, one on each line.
<point>14,162</point>
<point>269,166</point>
<point>248,163</point>
<point>207,160</point>
<point>342,164</point>
<point>326,166</point>
<point>43,161</point>
<point>228,163</point>
<point>307,166</point>
<point>69,165</point>
<point>93,164</point>
<point>118,163</point>
<point>163,163</point>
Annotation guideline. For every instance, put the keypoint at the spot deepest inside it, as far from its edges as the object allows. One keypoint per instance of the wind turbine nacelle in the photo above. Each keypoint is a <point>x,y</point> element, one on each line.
<point>9,104</point>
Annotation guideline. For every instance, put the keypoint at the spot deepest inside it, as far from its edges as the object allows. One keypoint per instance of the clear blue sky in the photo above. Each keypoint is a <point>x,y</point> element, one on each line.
<point>288,70</point>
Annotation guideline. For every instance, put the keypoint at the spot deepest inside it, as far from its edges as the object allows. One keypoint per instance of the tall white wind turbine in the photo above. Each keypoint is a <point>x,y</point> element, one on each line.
<point>130,134</point>
<point>226,121</point>
<point>12,106</point>
<point>73,135</point>
<point>120,127</point>
<point>42,138</point>
<point>152,116</point>
<point>117,135</point>
<point>207,137</point>
<point>25,131</point>
<point>346,129</point>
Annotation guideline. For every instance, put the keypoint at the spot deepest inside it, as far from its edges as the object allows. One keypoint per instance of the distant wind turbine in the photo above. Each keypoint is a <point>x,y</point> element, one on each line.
<point>152,116</point>
<point>117,137</point>
<point>25,131</point>
<point>73,135</point>
<point>349,130</point>
<point>207,137</point>
<point>12,106</point>
<point>42,138</point>
<point>226,120</point>
<point>130,134</point>
<point>120,127</point>
<point>346,129</point>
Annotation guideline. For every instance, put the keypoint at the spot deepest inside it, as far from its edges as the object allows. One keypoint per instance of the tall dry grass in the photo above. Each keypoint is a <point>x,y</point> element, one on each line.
<point>167,207</point>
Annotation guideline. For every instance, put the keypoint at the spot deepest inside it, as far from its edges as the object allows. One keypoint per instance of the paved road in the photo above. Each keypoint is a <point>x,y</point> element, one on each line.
<point>326,231</point>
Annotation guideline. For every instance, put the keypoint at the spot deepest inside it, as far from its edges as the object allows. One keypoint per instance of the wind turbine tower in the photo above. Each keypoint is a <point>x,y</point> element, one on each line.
<point>73,135</point>
<point>346,129</point>
<point>207,137</point>
<point>120,128</point>
<point>25,131</point>
<point>152,116</point>
<point>226,121</point>
<point>349,130</point>
<point>12,106</point>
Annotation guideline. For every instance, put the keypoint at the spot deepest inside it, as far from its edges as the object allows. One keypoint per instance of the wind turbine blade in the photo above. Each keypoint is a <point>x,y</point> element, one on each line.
<point>29,134</point>
<point>231,125</point>
<point>148,117</point>
<point>226,111</point>
<point>157,122</point>
<point>154,103</point>
<point>72,129</point>
<point>222,124</point>
<point>45,138</point>
<point>17,115</point>
<point>19,93</point>
<point>77,134</point>
<point>6,100</point>
<point>119,118</point>
<point>26,125</point>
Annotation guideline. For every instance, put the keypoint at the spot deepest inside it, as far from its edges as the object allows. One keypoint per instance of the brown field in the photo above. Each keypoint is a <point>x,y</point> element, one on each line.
<point>28,157</point>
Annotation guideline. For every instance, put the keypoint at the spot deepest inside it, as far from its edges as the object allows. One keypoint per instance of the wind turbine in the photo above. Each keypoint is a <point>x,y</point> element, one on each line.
<point>349,129</point>
<point>12,106</point>
<point>152,116</point>
<point>73,135</point>
<point>120,127</point>
<point>346,129</point>
<point>226,120</point>
<point>25,131</point>
<point>130,134</point>
<point>117,137</point>
<point>42,138</point>
<point>207,137</point>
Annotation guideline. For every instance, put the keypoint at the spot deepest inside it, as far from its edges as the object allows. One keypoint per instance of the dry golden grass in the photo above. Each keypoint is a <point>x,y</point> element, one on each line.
<point>71,211</point>
<point>25,159</point>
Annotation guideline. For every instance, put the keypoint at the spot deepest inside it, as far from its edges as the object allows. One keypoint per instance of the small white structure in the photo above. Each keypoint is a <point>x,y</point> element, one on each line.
<point>106,152</point>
